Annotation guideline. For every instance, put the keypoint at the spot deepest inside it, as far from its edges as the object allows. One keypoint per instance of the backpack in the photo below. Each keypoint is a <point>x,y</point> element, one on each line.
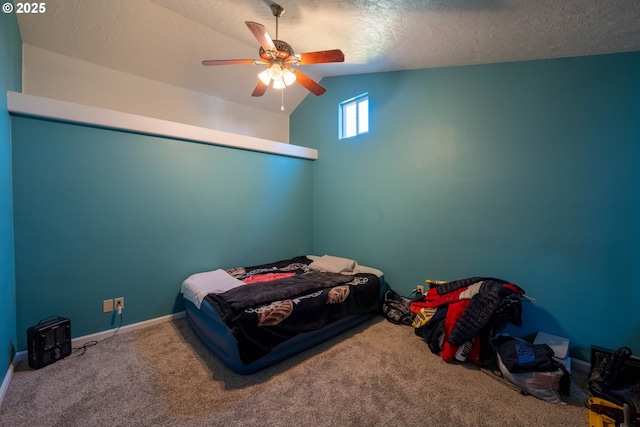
<point>396,308</point>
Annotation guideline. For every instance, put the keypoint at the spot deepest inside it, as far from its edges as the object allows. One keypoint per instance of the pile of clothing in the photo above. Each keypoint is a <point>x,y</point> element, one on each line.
<point>456,319</point>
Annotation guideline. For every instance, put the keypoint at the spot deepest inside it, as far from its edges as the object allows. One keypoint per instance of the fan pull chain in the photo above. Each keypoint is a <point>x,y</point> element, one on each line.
<point>282,105</point>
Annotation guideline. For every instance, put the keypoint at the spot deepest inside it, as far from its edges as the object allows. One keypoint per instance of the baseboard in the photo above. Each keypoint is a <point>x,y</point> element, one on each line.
<point>7,378</point>
<point>99,336</point>
<point>581,365</point>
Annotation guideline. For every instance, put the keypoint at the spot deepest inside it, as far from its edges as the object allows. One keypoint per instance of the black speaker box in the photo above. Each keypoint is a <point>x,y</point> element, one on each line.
<point>49,341</point>
<point>632,364</point>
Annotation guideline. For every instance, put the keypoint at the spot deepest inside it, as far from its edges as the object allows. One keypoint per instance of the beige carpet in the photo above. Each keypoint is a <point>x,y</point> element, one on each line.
<point>378,374</point>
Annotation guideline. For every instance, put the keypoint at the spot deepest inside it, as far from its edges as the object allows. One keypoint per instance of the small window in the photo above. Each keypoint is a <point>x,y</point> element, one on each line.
<point>354,116</point>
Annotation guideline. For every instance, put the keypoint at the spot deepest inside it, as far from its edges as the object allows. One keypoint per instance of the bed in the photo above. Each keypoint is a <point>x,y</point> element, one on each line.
<point>253,317</point>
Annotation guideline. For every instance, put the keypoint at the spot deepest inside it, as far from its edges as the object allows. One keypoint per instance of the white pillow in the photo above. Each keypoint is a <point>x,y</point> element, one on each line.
<point>334,264</point>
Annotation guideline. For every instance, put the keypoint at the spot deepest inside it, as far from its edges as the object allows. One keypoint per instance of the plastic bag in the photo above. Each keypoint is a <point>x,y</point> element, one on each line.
<point>531,367</point>
<point>543,385</point>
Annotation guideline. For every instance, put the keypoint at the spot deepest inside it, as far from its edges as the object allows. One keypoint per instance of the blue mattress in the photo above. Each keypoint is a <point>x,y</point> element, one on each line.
<point>214,333</point>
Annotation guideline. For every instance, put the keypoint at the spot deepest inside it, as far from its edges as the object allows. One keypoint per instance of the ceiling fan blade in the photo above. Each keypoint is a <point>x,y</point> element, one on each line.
<point>227,61</point>
<point>321,57</point>
<point>260,33</point>
<point>260,89</point>
<point>311,85</point>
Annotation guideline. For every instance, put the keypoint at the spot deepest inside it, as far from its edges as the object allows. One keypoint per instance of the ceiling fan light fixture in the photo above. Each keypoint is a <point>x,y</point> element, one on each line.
<point>278,55</point>
<point>282,77</point>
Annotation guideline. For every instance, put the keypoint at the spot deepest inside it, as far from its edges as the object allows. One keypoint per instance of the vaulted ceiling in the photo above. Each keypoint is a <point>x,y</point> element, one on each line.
<point>166,40</point>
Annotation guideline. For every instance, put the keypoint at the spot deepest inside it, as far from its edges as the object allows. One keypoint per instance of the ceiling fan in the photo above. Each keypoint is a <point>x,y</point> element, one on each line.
<point>279,58</point>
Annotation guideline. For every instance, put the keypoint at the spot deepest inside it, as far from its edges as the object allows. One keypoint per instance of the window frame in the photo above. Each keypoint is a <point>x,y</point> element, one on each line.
<point>355,101</point>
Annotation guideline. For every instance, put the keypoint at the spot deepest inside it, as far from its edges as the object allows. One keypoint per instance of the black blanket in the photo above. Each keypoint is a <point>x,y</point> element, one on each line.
<point>263,315</point>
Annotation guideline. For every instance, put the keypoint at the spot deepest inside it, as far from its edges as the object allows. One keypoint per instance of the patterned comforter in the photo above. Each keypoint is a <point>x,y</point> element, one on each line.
<point>285,298</point>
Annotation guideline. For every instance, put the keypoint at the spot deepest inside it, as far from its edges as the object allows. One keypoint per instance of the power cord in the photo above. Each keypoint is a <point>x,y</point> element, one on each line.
<point>92,343</point>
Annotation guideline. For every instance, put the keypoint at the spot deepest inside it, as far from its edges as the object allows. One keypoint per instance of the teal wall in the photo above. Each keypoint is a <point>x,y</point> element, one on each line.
<point>10,79</point>
<point>524,171</point>
<point>102,214</point>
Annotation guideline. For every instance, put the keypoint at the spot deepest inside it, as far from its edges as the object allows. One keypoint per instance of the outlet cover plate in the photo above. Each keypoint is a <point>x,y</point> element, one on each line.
<point>107,305</point>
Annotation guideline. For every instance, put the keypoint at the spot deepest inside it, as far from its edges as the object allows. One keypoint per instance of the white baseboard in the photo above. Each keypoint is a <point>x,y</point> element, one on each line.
<point>7,378</point>
<point>581,365</point>
<point>80,341</point>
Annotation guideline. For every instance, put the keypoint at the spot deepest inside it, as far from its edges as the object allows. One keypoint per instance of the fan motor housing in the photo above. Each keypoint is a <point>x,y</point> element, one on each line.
<point>284,50</point>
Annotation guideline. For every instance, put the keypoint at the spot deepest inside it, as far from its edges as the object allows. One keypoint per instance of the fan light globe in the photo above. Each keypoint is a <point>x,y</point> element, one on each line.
<point>288,77</point>
<point>265,77</point>
<point>275,72</point>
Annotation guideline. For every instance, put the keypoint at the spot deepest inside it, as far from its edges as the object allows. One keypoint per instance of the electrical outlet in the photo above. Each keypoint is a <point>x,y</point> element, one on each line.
<point>420,289</point>
<point>117,301</point>
<point>107,305</point>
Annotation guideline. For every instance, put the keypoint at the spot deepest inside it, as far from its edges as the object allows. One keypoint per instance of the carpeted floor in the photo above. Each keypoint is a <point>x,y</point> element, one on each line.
<point>377,374</point>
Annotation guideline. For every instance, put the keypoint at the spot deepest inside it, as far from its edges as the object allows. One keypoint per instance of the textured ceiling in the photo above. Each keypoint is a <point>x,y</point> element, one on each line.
<point>166,40</point>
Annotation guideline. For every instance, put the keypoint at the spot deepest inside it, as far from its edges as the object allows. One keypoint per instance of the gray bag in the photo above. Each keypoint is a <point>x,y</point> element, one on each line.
<point>396,308</point>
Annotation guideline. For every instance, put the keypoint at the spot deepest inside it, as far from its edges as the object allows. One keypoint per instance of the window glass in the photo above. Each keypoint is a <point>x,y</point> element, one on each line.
<point>354,116</point>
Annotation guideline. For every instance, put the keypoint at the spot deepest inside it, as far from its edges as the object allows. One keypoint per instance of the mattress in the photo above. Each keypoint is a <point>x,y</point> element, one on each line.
<point>232,323</point>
